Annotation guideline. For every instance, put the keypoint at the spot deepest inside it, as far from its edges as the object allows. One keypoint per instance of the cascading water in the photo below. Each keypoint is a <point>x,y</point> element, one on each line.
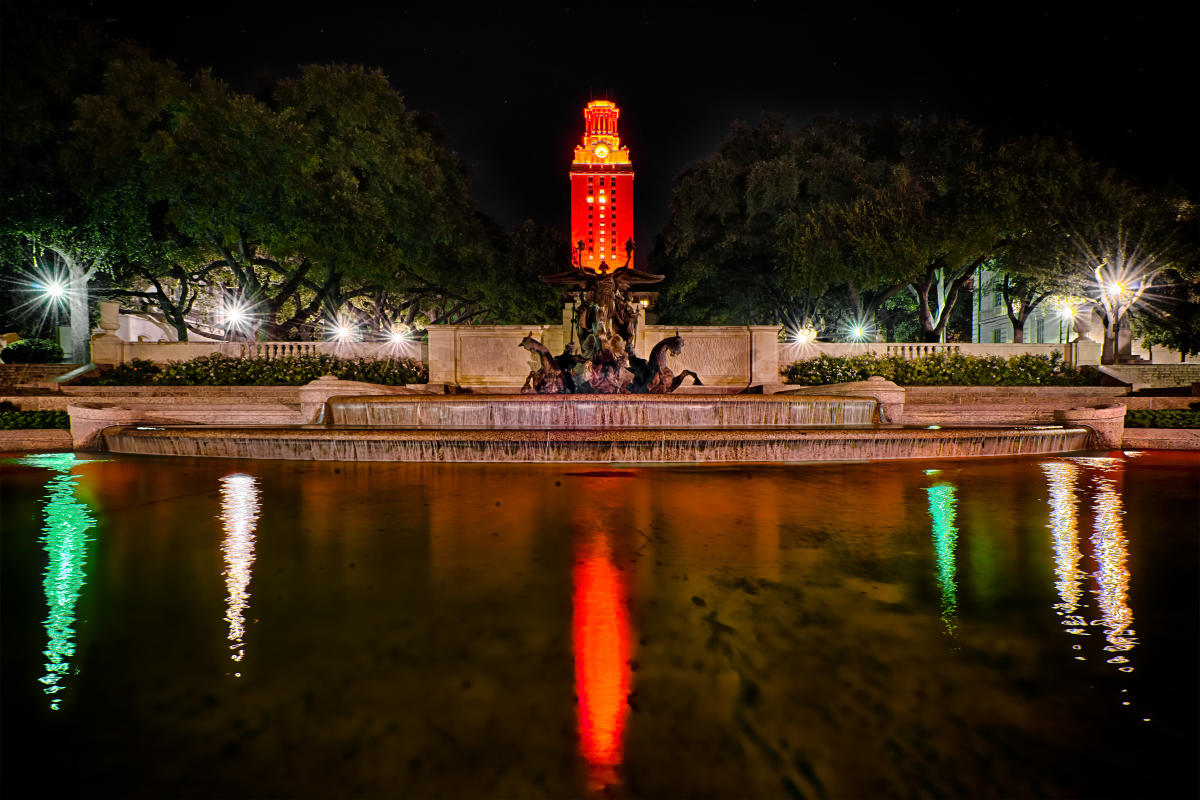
<point>623,428</point>
<point>534,412</point>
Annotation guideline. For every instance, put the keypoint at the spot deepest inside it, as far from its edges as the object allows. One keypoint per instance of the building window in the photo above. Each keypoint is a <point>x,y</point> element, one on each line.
<point>1041,330</point>
<point>998,336</point>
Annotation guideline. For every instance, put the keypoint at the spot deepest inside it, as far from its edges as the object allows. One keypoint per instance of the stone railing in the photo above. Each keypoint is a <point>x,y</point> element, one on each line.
<point>790,351</point>
<point>111,350</point>
<point>911,351</point>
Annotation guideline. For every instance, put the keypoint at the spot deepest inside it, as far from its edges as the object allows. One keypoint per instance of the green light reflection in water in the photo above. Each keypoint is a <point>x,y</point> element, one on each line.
<point>942,506</point>
<point>65,528</point>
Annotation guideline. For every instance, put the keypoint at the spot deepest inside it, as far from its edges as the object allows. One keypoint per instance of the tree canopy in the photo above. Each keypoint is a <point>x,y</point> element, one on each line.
<point>324,198</point>
<point>846,223</point>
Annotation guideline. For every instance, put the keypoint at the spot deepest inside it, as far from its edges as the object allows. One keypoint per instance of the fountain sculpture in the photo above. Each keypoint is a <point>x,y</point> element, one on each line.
<point>606,361</point>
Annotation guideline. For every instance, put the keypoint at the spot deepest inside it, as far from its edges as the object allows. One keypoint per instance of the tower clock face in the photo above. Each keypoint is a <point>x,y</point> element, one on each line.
<point>601,152</point>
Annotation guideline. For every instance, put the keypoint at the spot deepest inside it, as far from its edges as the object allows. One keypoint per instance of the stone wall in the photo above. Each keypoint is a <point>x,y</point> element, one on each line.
<point>486,356</point>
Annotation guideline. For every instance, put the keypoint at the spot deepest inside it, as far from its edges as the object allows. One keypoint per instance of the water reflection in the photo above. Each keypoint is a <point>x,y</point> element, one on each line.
<point>1064,529</point>
<point>66,524</point>
<point>600,627</point>
<point>942,506</point>
<point>1109,547</point>
<point>239,517</point>
<point>1110,551</point>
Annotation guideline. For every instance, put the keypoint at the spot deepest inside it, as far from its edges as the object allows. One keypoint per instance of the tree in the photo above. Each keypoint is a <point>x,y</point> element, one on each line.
<point>331,198</point>
<point>730,247</point>
<point>1124,242</point>
<point>48,232</point>
<point>1037,264</point>
<point>834,220</point>
<point>941,210</point>
<point>1177,325</point>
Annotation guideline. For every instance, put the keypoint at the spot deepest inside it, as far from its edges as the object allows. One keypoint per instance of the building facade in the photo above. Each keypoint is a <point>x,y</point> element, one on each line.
<point>990,323</point>
<point>601,191</point>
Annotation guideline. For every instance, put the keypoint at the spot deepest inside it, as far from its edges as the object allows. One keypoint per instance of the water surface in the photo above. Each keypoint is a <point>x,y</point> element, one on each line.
<point>200,628</point>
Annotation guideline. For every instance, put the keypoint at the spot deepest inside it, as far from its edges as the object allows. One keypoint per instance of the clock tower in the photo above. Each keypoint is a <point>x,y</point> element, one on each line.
<point>601,190</point>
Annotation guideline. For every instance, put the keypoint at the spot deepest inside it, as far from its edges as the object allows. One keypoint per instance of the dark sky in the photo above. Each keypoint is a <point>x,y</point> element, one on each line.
<point>509,85</point>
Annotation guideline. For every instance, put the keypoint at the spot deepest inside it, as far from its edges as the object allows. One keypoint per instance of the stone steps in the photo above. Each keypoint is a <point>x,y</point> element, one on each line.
<point>17,374</point>
<point>1154,376</point>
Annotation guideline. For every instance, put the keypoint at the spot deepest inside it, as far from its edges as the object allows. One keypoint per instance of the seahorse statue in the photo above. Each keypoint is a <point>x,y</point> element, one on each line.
<point>549,379</point>
<point>653,374</point>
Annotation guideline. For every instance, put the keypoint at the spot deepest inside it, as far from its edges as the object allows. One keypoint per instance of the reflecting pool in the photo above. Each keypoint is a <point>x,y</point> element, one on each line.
<point>180,627</point>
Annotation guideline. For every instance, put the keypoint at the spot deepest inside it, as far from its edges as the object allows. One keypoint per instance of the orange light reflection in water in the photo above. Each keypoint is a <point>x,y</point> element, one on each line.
<point>601,631</point>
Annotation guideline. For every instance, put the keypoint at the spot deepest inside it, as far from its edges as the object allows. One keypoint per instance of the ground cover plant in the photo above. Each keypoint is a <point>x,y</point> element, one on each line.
<point>33,420</point>
<point>943,369</point>
<point>219,370</point>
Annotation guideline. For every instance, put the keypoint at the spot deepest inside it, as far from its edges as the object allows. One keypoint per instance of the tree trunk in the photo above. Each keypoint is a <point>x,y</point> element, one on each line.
<point>1018,323</point>
<point>78,277</point>
<point>1108,355</point>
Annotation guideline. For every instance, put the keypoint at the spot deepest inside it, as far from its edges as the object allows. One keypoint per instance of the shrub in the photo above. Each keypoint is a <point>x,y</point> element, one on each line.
<point>137,372</point>
<point>33,420</point>
<point>32,351</point>
<point>943,369</point>
<point>1163,418</point>
<point>219,370</point>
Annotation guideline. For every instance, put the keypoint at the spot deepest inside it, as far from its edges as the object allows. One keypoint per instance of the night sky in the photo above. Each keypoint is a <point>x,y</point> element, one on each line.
<point>509,85</point>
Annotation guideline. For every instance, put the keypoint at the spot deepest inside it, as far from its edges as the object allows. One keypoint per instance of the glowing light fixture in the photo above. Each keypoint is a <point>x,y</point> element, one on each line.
<point>235,315</point>
<point>55,290</point>
<point>342,330</point>
<point>804,335</point>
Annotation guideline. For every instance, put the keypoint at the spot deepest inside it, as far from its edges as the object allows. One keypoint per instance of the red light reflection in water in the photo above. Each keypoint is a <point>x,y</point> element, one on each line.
<point>602,640</point>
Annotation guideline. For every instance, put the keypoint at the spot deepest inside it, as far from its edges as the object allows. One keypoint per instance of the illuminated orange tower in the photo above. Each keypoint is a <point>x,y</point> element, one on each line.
<point>601,190</point>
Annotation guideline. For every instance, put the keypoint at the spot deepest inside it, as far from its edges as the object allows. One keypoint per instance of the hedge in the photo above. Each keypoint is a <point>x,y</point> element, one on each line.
<point>33,420</point>
<point>32,351</point>
<point>219,370</point>
<point>1163,418</point>
<point>943,369</point>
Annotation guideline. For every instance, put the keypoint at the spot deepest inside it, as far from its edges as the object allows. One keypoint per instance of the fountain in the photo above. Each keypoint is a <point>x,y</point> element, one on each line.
<point>595,428</point>
<point>600,402</point>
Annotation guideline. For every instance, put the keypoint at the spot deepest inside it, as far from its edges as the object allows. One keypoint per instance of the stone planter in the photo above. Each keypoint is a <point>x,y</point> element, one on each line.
<point>1107,422</point>
<point>889,395</point>
<point>314,394</point>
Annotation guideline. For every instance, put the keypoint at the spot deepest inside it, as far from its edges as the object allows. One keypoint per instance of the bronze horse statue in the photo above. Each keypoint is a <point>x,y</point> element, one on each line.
<point>653,376</point>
